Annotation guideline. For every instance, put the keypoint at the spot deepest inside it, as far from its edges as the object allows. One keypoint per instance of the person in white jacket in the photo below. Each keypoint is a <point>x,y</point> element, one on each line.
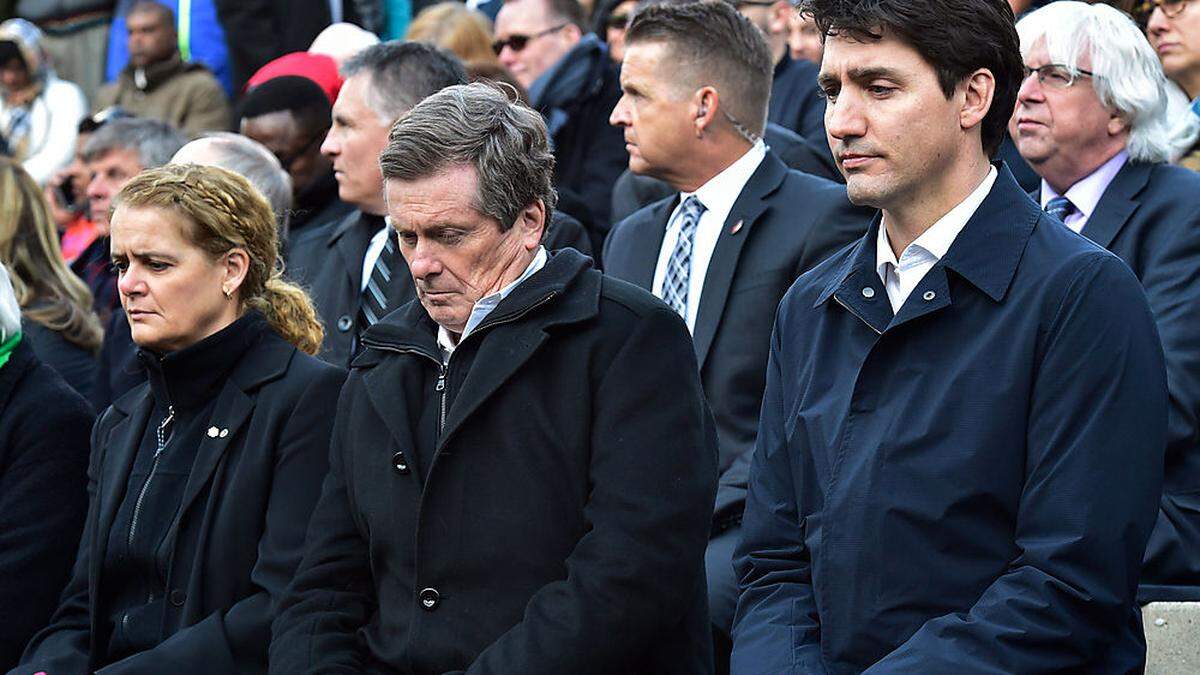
<point>38,111</point>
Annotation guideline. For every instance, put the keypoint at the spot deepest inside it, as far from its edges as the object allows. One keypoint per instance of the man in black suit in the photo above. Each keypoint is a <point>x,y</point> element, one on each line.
<point>724,251</point>
<point>1103,162</point>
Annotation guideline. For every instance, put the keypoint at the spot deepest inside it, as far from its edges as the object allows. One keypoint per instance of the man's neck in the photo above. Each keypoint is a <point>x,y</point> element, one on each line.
<point>1061,178</point>
<point>716,158</point>
<point>919,212</point>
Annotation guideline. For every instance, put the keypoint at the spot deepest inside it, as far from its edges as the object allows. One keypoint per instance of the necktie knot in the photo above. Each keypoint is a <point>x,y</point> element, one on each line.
<point>1060,208</point>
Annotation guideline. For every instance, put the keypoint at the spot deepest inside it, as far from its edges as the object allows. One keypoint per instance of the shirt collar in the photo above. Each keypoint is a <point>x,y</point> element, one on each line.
<point>485,305</point>
<point>1085,194</point>
<point>723,189</point>
<point>935,241</point>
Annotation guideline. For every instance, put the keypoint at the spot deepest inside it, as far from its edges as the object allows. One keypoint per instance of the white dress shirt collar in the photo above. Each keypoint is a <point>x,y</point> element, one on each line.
<point>1085,194</point>
<point>901,276</point>
<point>485,305</point>
<point>723,189</point>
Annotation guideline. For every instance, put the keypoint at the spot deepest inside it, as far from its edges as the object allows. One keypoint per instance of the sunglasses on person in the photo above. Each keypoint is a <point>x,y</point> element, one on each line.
<point>286,161</point>
<point>617,21</point>
<point>519,42</point>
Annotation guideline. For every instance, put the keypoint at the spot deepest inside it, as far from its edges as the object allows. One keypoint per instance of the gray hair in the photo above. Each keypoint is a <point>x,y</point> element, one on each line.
<point>403,73</point>
<point>477,125</point>
<point>1128,76</point>
<point>249,159</point>
<point>153,140</point>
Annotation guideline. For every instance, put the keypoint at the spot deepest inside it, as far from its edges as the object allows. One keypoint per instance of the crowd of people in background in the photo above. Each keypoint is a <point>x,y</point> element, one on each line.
<point>597,336</point>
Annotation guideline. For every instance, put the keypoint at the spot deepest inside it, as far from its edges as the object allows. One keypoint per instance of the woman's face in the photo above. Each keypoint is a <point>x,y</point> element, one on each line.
<point>14,76</point>
<point>173,292</point>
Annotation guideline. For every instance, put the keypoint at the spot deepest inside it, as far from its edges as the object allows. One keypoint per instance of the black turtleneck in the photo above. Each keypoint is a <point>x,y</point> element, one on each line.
<point>133,591</point>
<point>312,202</point>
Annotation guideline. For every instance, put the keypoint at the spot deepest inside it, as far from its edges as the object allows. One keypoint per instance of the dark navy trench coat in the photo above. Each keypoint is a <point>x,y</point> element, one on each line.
<point>967,486</point>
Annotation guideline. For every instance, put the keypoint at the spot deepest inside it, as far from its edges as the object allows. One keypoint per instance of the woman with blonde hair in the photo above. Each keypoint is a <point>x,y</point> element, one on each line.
<point>452,26</point>
<point>56,306</point>
<point>203,478</point>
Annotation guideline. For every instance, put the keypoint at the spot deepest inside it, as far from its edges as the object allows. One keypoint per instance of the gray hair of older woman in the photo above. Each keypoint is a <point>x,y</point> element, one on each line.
<point>250,160</point>
<point>476,125</point>
<point>10,311</point>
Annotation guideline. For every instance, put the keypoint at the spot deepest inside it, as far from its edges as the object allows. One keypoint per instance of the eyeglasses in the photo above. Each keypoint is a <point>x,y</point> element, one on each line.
<point>1056,75</point>
<point>1170,8</point>
<point>519,42</point>
<point>286,161</point>
<point>753,3</point>
<point>617,21</point>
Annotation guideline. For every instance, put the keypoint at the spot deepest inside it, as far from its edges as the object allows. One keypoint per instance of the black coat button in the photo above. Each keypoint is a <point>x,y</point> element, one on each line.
<point>345,323</point>
<point>400,463</point>
<point>177,597</point>
<point>430,599</point>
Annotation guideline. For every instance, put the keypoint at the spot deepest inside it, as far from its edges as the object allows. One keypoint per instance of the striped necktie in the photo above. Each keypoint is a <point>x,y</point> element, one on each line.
<point>679,265</point>
<point>1060,207</point>
<point>373,303</point>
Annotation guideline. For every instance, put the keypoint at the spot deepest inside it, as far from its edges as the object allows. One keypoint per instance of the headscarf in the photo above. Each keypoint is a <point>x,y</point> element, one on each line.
<point>28,39</point>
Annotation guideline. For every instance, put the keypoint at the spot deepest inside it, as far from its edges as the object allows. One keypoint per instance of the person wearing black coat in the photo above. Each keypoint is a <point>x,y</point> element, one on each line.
<point>44,428</point>
<point>202,480</point>
<point>522,466</point>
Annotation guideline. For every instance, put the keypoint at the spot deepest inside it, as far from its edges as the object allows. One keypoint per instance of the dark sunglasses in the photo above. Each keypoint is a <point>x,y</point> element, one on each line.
<point>286,161</point>
<point>617,21</point>
<point>519,42</point>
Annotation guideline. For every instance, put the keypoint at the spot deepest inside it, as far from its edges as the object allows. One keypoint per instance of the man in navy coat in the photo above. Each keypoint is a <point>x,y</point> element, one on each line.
<point>960,453</point>
<point>1103,161</point>
<point>747,247</point>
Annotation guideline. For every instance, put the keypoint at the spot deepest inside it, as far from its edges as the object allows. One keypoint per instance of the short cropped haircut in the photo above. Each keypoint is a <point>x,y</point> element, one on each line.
<point>956,37</point>
<point>165,14</point>
<point>569,11</point>
<point>1127,75</point>
<point>154,141</point>
<point>402,74</point>
<point>712,44</point>
<point>250,160</point>
<point>300,96</point>
<point>477,125</point>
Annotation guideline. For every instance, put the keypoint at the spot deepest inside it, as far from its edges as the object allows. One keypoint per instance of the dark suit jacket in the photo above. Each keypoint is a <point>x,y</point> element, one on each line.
<point>329,267</point>
<point>554,524</point>
<point>795,102</point>
<point>238,536</point>
<point>44,429</point>
<point>965,486</point>
<point>634,191</point>
<point>751,268</point>
<point>1150,217</point>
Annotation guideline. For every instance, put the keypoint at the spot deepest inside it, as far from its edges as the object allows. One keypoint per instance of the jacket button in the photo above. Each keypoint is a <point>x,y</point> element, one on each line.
<point>345,323</point>
<point>400,463</point>
<point>430,599</point>
<point>868,292</point>
<point>929,295</point>
<point>177,597</point>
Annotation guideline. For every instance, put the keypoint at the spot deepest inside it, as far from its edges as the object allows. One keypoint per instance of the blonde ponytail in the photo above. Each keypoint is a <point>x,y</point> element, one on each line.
<point>290,312</point>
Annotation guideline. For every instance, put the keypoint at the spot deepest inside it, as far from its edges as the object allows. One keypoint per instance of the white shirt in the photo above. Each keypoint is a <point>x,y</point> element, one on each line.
<point>485,305</point>
<point>717,196</point>
<point>900,277</point>
<point>374,249</point>
<point>1086,193</point>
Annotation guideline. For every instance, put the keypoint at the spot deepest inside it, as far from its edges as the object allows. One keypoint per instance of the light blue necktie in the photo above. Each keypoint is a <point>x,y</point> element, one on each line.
<point>679,265</point>
<point>1060,207</point>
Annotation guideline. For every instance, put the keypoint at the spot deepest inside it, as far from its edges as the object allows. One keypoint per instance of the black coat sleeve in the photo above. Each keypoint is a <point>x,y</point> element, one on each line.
<point>653,472</point>
<point>43,501</point>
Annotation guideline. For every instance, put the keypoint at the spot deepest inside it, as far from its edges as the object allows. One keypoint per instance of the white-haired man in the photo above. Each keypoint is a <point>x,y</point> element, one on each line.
<point>1091,120</point>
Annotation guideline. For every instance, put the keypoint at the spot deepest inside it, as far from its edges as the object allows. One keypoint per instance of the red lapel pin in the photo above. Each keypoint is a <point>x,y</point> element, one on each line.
<point>737,227</point>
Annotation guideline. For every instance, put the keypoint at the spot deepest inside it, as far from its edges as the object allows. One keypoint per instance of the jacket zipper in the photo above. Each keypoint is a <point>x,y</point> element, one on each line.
<point>857,315</point>
<point>444,367</point>
<point>137,506</point>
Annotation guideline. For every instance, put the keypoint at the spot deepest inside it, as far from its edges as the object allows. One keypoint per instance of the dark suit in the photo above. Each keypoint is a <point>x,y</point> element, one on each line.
<point>751,268</point>
<point>1150,217</point>
<point>633,191</point>
<point>236,540</point>
<point>330,268</point>
<point>795,101</point>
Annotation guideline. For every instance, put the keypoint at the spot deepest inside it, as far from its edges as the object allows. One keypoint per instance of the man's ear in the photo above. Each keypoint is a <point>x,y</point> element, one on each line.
<point>531,224</point>
<point>978,93</point>
<point>706,103</point>
<point>572,33</point>
<point>781,11</point>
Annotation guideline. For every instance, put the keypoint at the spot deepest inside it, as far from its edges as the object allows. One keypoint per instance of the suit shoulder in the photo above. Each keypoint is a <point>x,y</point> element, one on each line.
<point>809,285</point>
<point>619,297</point>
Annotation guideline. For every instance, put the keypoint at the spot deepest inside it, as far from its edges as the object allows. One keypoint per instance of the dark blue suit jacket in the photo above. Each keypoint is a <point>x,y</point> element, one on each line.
<point>966,486</point>
<point>765,245</point>
<point>795,101</point>
<point>1150,217</point>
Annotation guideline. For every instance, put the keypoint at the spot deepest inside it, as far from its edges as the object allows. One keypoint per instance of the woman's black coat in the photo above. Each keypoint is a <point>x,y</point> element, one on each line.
<point>239,533</point>
<point>44,428</point>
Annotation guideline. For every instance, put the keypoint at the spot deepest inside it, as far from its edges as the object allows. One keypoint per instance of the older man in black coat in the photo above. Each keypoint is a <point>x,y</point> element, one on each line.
<point>523,466</point>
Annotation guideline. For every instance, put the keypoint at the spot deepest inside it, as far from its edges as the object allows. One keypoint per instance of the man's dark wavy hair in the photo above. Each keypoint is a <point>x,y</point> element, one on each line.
<point>956,37</point>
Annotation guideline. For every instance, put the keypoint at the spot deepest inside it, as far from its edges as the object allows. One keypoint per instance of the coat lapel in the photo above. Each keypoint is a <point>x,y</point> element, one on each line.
<point>738,226</point>
<point>119,452</point>
<point>1117,205</point>
<point>350,240</point>
<point>647,242</point>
